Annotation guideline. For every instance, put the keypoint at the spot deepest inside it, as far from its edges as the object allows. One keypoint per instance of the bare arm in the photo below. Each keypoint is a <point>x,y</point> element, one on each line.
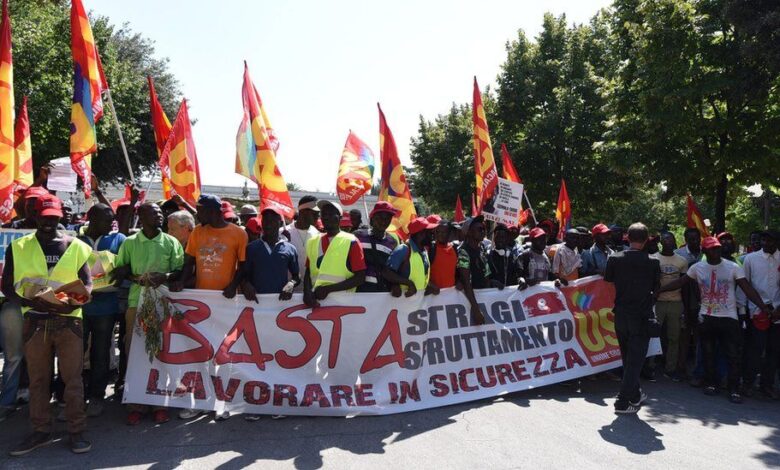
<point>464,275</point>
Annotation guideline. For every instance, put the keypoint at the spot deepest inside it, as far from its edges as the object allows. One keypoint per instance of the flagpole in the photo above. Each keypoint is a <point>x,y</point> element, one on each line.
<point>533,214</point>
<point>121,137</point>
<point>365,208</point>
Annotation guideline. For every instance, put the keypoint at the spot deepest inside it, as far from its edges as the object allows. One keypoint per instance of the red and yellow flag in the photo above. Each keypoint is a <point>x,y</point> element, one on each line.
<point>23,149</point>
<point>474,210</point>
<point>7,147</point>
<point>484,163</point>
<point>510,173</point>
<point>180,153</point>
<point>256,146</point>
<point>459,217</point>
<point>356,170</point>
<point>695,220</point>
<point>394,187</point>
<point>162,129</point>
<point>89,82</point>
<point>563,211</point>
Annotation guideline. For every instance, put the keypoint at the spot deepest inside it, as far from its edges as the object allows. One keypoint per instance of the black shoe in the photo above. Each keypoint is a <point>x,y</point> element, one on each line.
<point>626,409</point>
<point>33,441</point>
<point>642,399</point>
<point>78,444</point>
<point>673,376</point>
<point>710,390</point>
<point>735,397</point>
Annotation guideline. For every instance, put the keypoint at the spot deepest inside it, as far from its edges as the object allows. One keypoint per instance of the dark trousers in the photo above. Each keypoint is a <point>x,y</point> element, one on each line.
<point>723,332</point>
<point>100,328</point>
<point>762,352</point>
<point>633,339</point>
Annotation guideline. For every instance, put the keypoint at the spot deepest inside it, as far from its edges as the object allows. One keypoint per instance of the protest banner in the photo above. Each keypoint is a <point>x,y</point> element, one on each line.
<point>8,235</point>
<point>372,353</point>
<point>504,206</point>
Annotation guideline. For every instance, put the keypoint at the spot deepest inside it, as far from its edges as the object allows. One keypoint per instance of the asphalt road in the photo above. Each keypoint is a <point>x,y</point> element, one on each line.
<point>555,426</point>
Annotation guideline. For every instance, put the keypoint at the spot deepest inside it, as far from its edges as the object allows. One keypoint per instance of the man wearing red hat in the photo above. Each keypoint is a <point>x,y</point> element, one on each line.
<point>717,279</point>
<point>408,268</point>
<point>377,245</point>
<point>443,255</point>
<point>534,264</point>
<point>594,259</point>
<point>763,333</point>
<point>229,213</point>
<point>50,258</point>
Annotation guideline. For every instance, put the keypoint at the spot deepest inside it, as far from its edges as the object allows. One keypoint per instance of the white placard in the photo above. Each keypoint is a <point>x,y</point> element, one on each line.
<point>504,207</point>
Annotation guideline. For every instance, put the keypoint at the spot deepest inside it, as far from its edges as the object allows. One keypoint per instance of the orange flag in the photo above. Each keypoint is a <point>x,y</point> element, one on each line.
<point>563,211</point>
<point>459,217</point>
<point>394,187</point>
<point>474,210</point>
<point>23,149</point>
<point>356,170</point>
<point>510,173</point>
<point>162,129</point>
<point>695,220</point>
<point>7,147</point>
<point>180,152</point>
<point>484,163</point>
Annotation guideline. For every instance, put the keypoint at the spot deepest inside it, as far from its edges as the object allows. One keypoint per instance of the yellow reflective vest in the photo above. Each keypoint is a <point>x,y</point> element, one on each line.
<point>333,267</point>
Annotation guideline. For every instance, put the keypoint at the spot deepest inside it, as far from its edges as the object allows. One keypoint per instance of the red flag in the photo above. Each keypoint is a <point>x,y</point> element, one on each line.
<point>695,220</point>
<point>180,152</point>
<point>393,186</point>
<point>7,147</point>
<point>510,173</point>
<point>23,152</point>
<point>524,216</point>
<point>474,210</point>
<point>563,211</point>
<point>484,163</point>
<point>356,170</point>
<point>459,217</point>
<point>162,129</point>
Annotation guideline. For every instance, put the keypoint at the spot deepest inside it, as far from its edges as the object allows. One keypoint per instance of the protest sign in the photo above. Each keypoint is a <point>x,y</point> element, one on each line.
<point>372,353</point>
<point>504,206</point>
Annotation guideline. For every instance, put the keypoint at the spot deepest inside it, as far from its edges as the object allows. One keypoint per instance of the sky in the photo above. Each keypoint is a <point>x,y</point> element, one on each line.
<point>321,67</point>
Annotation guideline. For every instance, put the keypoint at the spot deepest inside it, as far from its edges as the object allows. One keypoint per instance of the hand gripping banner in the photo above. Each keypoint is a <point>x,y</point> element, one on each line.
<point>372,353</point>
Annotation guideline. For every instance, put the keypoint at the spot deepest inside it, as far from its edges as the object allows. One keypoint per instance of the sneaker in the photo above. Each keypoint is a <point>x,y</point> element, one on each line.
<point>5,412</point>
<point>224,416</point>
<point>649,376</point>
<point>95,408</point>
<point>642,399</point>
<point>23,396</point>
<point>626,409</point>
<point>134,418</point>
<point>33,441</point>
<point>710,390</point>
<point>735,397</point>
<point>161,416</point>
<point>79,445</point>
<point>252,417</point>
<point>278,416</point>
<point>189,413</point>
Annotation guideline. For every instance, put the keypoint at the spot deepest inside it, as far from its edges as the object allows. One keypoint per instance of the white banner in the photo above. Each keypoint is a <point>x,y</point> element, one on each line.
<point>504,207</point>
<point>372,353</point>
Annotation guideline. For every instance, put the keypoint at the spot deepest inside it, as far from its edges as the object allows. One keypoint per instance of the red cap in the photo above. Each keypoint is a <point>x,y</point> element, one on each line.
<point>227,210</point>
<point>723,235</point>
<point>255,225</point>
<point>710,242</point>
<point>536,232</point>
<point>35,191</point>
<point>761,321</point>
<point>599,229</point>
<point>346,220</point>
<point>49,205</point>
<point>274,210</point>
<point>384,206</point>
<point>419,224</point>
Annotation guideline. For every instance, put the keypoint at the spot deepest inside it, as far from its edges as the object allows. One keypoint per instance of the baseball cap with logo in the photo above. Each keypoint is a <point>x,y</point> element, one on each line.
<point>710,242</point>
<point>49,206</point>
<point>35,191</point>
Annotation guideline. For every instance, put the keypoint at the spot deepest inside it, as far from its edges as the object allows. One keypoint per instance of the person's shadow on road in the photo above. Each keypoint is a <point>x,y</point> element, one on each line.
<point>635,435</point>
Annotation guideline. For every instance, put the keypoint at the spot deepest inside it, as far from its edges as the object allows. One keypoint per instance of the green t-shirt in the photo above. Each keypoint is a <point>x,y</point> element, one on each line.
<point>162,254</point>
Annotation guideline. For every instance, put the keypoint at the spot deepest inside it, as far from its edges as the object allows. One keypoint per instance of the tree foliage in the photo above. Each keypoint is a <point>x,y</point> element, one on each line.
<point>43,70</point>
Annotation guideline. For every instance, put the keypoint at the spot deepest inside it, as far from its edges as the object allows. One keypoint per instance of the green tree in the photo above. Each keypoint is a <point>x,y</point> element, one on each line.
<point>43,70</point>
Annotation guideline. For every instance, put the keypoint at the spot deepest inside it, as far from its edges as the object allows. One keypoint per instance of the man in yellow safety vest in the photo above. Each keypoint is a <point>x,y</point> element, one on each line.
<point>408,268</point>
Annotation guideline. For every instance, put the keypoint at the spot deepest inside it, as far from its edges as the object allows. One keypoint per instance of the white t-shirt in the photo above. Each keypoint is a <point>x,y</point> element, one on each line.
<point>717,284</point>
<point>761,271</point>
<point>299,238</point>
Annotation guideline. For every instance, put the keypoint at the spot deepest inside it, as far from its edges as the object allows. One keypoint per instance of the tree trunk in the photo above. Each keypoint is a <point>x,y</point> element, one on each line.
<point>720,204</point>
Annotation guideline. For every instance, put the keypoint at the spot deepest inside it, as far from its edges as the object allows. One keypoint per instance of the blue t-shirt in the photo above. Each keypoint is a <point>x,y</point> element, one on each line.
<point>269,268</point>
<point>104,303</point>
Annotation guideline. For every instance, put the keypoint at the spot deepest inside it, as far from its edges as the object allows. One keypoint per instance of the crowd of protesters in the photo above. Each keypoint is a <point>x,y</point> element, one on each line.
<point>718,311</point>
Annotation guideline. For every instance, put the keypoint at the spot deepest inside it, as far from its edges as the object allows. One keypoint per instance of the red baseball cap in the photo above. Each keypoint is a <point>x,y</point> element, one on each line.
<point>227,210</point>
<point>710,242</point>
<point>419,224</point>
<point>35,191</point>
<point>274,210</point>
<point>346,220</point>
<point>536,232</point>
<point>49,205</point>
<point>761,321</point>
<point>255,225</point>
<point>384,206</point>
<point>434,219</point>
<point>598,229</point>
